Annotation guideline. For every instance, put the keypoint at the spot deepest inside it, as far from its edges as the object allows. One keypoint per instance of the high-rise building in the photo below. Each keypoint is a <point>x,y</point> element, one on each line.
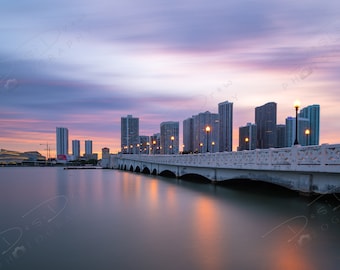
<point>302,138</point>
<point>265,120</point>
<point>62,141</point>
<point>169,138</point>
<point>105,162</point>
<point>281,136</point>
<point>312,113</point>
<point>105,153</point>
<point>144,144</point>
<point>247,137</point>
<point>225,111</point>
<point>155,144</point>
<point>188,135</point>
<point>76,149</point>
<point>88,147</point>
<point>129,134</point>
<point>205,132</point>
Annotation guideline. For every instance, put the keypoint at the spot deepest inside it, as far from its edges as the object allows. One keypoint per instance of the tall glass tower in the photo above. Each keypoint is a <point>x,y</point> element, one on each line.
<point>62,141</point>
<point>225,111</point>
<point>247,137</point>
<point>76,148</point>
<point>265,120</point>
<point>169,138</point>
<point>303,124</point>
<point>312,113</point>
<point>206,140</point>
<point>129,134</point>
<point>88,147</point>
<point>188,135</point>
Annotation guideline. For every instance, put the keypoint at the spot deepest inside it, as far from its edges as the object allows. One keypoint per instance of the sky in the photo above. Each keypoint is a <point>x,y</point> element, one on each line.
<point>84,64</point>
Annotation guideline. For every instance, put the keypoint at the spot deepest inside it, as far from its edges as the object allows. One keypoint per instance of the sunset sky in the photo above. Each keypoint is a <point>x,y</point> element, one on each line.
<point>84,64</point>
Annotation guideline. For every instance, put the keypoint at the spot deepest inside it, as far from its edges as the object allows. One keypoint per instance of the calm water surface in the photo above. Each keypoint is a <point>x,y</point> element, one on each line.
<point>52,218</point>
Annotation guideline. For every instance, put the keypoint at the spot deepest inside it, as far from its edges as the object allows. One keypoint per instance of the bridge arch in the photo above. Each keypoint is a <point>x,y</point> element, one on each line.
<point>137,169</point>
<point>168,173</point>
<point>146,170</point>
<point>256,185</point>
<point>131,168</point>
<point>193,177</point>
<point>154,172</point>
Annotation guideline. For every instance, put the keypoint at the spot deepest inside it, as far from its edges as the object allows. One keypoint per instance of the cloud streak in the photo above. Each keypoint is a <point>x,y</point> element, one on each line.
<point>84,64</point>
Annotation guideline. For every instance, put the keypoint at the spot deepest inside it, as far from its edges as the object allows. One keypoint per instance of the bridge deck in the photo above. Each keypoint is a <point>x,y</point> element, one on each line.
<point>324,158</point>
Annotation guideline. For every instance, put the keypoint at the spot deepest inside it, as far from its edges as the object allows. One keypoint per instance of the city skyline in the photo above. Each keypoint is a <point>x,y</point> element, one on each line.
<point>130,135</point>
<point>162,63</point>
<point>202,132</point>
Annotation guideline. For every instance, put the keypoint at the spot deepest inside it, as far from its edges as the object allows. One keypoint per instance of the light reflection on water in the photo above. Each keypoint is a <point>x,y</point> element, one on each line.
<point>101,219</point>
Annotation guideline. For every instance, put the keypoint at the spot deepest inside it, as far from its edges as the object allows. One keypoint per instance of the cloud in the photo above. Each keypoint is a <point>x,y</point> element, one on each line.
<point>85,64</point>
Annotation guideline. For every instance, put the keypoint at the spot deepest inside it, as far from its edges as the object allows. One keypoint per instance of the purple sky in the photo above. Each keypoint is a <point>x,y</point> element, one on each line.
<point>84,64</point>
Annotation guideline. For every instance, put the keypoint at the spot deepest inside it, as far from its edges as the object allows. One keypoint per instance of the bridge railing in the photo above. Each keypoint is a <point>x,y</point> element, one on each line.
<point>323,158</point>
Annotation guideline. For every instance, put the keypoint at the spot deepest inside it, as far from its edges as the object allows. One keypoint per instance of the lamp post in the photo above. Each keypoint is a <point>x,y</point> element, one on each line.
<point>246,139</point>
<point>154,146</point>
<point>201,146</point>
<point>212,146</point>
<point>207,130</point>
<point>147,148</point>
<point>172,138</point>
<point>307,132</point>
<point>296,105</point>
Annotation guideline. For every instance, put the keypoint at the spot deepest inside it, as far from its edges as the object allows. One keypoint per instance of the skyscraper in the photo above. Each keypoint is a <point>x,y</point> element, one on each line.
<point>312,113</point>
<point>129,134</point>
<point>144,144</point>
<point>247,137</point>
<point>76,148</point>
<point>281,136</point>
<point>188,135</point>
<point>205,140</point>
<point>225,111</point>
<point>303,124</point>
<point>88,147</point>
<point>169,138</point>
<point>155,144</point>
<point>265,120</point>
<point>62,141</point>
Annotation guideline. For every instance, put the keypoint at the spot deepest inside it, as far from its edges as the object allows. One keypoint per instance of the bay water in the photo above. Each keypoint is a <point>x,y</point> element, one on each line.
<point>51,218</point>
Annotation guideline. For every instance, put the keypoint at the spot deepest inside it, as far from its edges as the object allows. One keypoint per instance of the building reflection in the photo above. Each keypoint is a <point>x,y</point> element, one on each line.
<point>206,230</point>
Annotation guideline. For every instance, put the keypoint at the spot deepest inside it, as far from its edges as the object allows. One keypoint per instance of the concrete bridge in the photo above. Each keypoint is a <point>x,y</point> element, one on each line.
<point>308,169</point>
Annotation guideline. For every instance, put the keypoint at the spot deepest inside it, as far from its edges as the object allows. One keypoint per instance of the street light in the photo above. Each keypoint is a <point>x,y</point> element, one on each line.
<point>307,132</point>
<point>207,130</point>
<point>212,146</point>
<point>172,138</point>
<point>201,146</point>
<point>296,105</point>
<point>246,139</point>
<point>147,148</point>
<point>154,146</point>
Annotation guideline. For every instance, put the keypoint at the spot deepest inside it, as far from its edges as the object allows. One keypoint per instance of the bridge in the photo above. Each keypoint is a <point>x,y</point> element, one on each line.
<point>308,169</point>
